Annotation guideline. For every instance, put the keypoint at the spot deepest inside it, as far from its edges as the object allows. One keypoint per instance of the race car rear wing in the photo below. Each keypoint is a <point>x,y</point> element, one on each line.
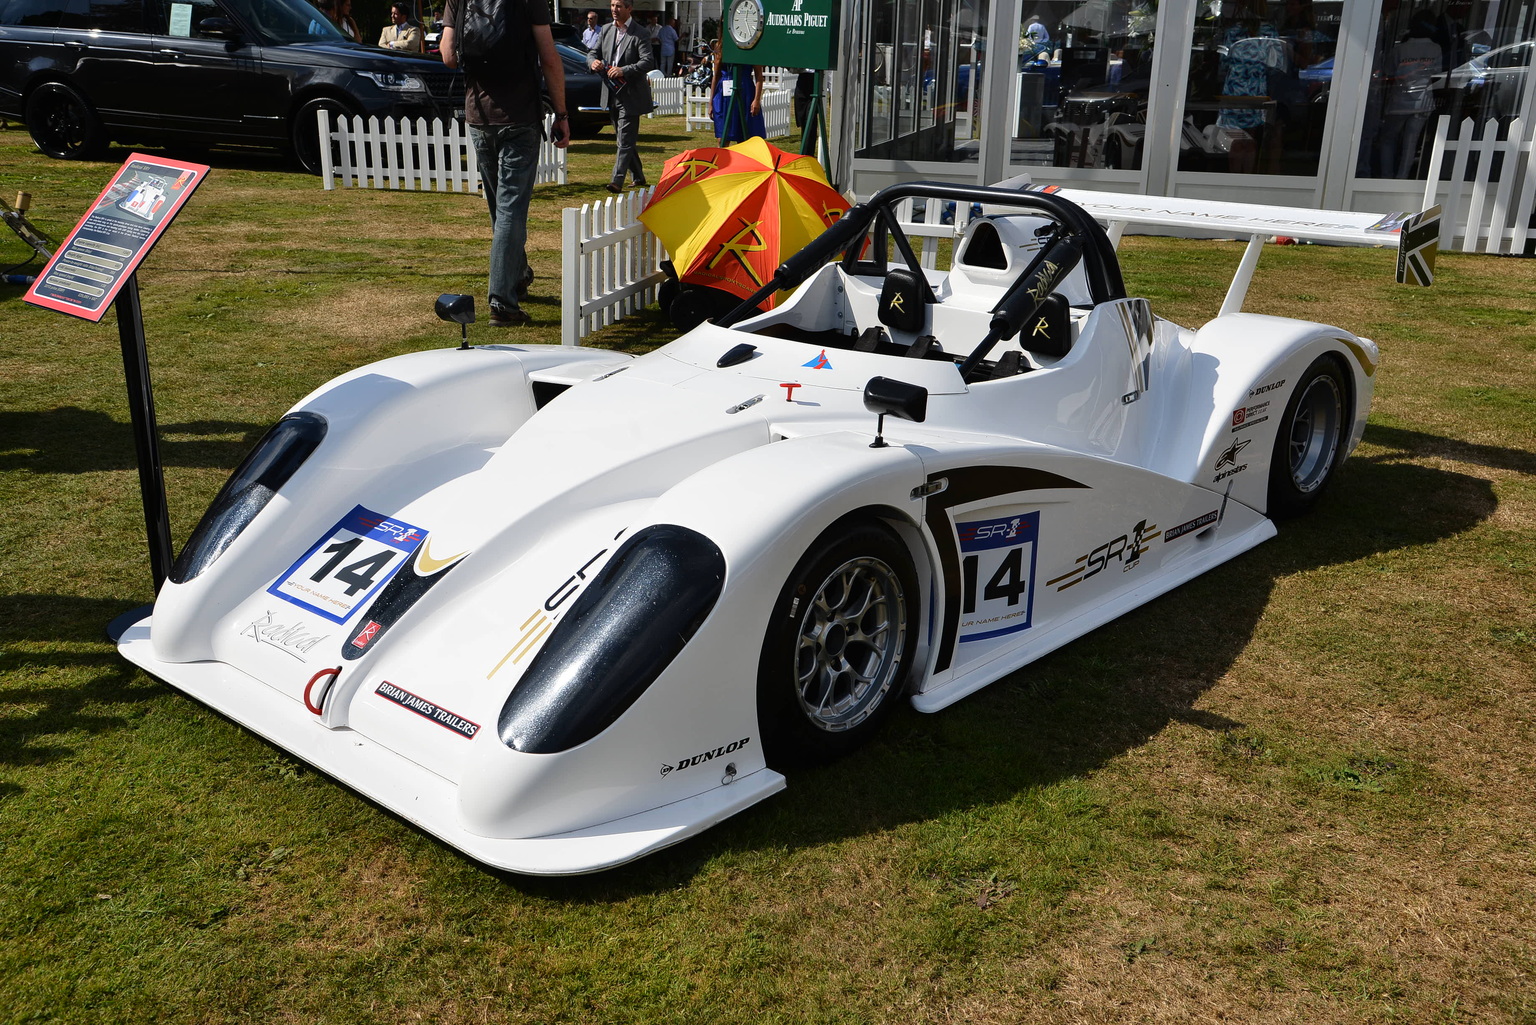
<point>1417,235</point>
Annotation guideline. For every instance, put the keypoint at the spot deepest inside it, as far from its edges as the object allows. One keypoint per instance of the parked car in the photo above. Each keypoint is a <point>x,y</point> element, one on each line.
<point>584,98</point>
<point>1494,81</point>
<point>82,73</point>
<point>583,605</point>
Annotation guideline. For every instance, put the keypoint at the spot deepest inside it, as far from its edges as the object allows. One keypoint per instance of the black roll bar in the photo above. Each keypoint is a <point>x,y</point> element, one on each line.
<point>1100,264</point>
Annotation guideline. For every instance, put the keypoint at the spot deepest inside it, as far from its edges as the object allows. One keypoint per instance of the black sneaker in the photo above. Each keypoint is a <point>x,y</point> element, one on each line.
<point>527,282</point>
<point>514,317</point>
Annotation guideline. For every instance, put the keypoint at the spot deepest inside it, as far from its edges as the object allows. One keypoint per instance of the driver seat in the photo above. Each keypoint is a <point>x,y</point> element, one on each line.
<point>1049,331</point>
<point>903,301</point>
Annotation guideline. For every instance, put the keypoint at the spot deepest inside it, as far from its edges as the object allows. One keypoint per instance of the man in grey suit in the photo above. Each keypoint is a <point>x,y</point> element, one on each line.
<point>623,54</point>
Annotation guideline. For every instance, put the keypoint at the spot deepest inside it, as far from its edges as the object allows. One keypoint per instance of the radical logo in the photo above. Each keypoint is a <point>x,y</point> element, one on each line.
<point>820,362</point>
<point>295,639</point>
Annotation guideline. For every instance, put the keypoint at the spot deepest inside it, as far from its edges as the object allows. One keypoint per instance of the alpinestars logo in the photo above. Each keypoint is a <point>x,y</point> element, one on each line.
<point>1229,458</point>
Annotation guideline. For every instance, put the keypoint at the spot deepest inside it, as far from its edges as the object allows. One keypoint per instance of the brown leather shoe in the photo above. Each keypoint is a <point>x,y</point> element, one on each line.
<point>514,317</point>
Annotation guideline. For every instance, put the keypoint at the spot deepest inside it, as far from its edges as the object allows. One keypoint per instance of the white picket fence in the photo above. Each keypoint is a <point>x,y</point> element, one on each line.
<point>778,111</point>
<point>1483,210</point>
<point>611,264</point>
<point>696,110</point>
<point>669,95</point>
<point>433,156</point>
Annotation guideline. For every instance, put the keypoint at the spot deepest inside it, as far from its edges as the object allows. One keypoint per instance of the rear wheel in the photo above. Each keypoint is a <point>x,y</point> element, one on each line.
<point>694,304</point>
<point>839,646</point>
<point>304,132</point>
<point>1309,445</point>
<point>63,124</point>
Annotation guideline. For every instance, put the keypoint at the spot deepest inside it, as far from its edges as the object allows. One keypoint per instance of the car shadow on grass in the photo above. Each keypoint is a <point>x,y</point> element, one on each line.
<point>49,644</point>
<point>1075,710</point>
<point>69,439</point>
<point>1058,719</point>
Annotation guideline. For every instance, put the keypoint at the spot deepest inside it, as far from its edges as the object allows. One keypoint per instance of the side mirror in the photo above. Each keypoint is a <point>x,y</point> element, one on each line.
<point>885,395</point>
<point>218,28</point>
<point>898,398</point>
<point>456,309</point>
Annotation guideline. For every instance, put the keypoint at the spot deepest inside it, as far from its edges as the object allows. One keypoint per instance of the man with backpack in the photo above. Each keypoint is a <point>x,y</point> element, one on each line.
<point>502,45</point>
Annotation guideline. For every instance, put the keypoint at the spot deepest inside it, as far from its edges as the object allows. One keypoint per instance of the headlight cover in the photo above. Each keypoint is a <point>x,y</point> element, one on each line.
<point>622,633</point>
<point>395,81</point>
<point>280,452</point>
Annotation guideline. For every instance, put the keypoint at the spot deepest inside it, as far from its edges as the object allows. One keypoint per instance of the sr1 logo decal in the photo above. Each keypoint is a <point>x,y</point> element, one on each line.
<point>543,619</point>
<point>343,569</point>
<point>1127,550</point>
<point>997,568</point>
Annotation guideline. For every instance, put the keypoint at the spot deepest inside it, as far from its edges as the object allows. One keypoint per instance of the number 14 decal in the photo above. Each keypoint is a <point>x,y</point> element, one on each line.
<point>342,570</point>
<point>1009,582</point>
<point>1000,552</point>
<point>359,575</point>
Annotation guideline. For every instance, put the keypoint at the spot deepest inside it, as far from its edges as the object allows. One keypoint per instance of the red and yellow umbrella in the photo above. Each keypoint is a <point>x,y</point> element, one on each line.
<point>730,216</point>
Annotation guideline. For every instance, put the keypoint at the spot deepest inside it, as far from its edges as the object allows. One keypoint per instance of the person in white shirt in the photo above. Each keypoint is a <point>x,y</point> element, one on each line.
<point>590,33</point>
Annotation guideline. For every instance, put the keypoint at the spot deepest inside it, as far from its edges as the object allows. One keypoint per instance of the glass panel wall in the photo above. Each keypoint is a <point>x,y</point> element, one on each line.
<point>1084,77</point>
<point>1462,58</point>
<point>919,56</point>
<point>1260,82</point>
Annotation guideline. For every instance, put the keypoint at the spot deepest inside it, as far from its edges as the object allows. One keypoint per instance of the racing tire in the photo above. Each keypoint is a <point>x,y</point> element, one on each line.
<point>839,646</point>
<point>303,134</point>
<point>1114,156</point>
<point>1310,441</point>
<point>665,293</point>
<point>694,304</point>
<point>63,124</point>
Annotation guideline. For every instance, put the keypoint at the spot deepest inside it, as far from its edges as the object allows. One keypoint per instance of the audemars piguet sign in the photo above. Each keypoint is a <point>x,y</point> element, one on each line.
<point>781,33</point>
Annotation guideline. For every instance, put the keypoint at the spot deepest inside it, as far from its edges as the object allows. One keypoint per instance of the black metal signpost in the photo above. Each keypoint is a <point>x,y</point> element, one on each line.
<point>94,269</point>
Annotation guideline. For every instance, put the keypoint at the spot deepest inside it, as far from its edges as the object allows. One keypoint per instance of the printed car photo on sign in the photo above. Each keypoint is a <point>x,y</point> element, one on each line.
<point>342,570</point>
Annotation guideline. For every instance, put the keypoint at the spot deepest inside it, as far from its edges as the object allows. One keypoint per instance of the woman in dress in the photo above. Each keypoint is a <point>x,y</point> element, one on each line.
<point>745,115</point>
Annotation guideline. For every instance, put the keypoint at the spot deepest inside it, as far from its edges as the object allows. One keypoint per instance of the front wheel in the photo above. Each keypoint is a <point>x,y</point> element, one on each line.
<point>63,124</point>
<point>1309,445</point>
<point>304,132</point>
<point>839,646</point>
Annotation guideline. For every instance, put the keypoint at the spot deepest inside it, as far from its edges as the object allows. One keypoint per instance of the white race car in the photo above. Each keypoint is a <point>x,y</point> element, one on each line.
<point>563,607</point>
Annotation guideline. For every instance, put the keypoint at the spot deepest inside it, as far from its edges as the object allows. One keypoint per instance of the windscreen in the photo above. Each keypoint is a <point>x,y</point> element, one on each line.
<point>286,21</point>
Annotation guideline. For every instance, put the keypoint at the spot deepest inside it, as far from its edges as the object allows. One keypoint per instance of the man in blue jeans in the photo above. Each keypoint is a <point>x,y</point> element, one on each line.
<point>505,113</point>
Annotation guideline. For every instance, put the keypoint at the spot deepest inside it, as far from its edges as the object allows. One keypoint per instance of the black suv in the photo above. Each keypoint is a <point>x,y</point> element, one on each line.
<point>199,72</point>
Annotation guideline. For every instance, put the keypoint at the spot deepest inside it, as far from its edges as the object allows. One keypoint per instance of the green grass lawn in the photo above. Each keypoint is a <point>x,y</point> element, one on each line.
<point>1296,789</point>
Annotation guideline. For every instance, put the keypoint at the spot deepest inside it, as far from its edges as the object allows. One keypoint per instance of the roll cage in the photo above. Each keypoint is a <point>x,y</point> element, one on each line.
<point>1072,237</point>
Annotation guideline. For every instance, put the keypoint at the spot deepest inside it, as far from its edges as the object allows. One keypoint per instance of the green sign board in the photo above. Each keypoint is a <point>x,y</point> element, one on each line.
<point>781,33</point>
